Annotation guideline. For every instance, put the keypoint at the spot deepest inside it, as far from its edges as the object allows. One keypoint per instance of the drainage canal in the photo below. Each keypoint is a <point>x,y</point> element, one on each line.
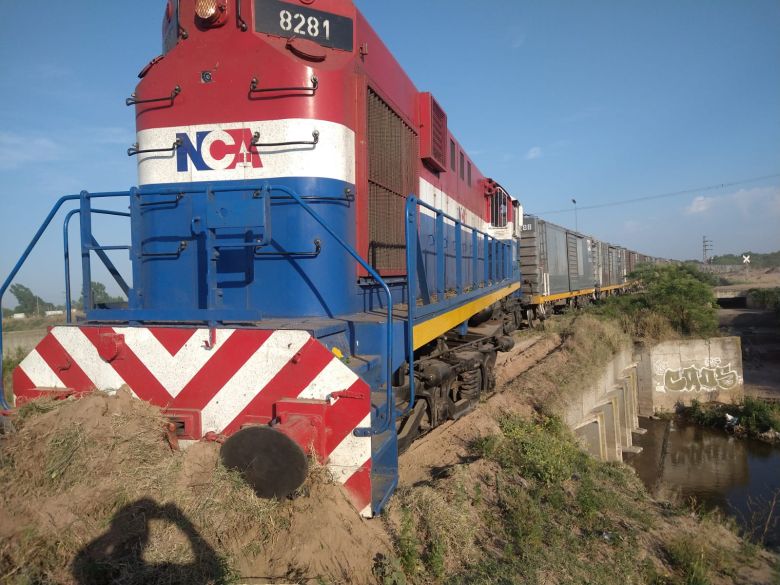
<point>738,476</point>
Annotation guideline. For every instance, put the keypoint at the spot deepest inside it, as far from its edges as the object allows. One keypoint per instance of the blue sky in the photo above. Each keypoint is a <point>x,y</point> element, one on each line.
<point>600,101</point>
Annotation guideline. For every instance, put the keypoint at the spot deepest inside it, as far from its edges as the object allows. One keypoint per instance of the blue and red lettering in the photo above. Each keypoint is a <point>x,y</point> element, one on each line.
<point>217,150</point>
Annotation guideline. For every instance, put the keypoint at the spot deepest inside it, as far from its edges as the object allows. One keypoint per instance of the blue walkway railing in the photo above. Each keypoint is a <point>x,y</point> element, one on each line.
<point>497,269</point>
<point>83,198</point>
<point>89,245</point>
<point>496,259</point>
<point>386,418</point>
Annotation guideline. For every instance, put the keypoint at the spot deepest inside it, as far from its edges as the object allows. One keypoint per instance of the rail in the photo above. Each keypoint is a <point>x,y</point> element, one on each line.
<point>83,198</point>
<point>497,269</point>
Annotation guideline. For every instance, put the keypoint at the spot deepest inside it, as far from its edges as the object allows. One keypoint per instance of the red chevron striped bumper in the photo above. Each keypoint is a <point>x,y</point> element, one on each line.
<point>216,381</point>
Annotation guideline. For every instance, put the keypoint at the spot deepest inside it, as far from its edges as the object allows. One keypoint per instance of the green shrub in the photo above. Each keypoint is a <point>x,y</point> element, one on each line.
<point>408,544</point>
<point>673,297</point>
<point>690,559</point>
<point>766,298</point>
<point>561,512</point>
<point>539,450</point>
<point>756,416</point>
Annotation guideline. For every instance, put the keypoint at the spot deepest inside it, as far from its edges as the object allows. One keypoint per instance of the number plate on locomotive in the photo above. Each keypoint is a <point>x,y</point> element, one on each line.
<point>291,20</point>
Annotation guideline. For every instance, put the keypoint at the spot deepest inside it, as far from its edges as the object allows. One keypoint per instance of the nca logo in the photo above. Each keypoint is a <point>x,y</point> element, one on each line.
<point>217,150</point>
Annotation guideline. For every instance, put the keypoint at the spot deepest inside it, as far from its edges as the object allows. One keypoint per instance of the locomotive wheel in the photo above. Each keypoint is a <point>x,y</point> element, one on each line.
<point>269,461</point>
<point>530,317</point>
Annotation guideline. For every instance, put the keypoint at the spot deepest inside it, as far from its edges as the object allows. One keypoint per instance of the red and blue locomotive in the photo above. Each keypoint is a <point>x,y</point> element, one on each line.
<point>318,268</point>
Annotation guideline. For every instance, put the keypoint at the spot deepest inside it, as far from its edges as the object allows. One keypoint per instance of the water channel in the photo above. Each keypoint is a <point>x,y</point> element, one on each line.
<point>738,476</point>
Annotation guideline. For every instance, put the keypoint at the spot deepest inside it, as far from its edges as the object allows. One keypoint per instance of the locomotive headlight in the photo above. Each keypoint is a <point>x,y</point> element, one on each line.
<point>209,11</point>
<point>206,9</point>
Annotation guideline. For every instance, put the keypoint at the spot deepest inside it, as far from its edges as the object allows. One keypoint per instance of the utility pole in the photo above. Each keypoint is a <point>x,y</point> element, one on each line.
<point>706,249</point>
<point>576,222</point>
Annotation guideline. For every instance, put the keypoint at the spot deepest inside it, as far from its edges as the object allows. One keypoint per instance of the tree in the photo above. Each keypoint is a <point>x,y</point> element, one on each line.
<point>100,296</point>
<point>29,303</point>
<point>7,313</point>
<point>680,293</point>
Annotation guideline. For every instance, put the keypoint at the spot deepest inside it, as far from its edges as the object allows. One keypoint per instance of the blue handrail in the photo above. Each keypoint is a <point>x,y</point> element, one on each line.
<point>492,247</point>
<point>25,255</point>
<point>387,418</point>
<point>15,271</point>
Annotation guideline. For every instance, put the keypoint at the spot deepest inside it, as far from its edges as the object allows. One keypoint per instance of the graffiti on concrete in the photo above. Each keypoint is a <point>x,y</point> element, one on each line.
<point>711,378</point>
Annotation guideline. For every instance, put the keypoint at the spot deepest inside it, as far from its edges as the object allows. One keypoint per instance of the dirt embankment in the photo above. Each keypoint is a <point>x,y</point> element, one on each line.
<point>93,493</point>
<point>760,333</point>
<point>749,277</point>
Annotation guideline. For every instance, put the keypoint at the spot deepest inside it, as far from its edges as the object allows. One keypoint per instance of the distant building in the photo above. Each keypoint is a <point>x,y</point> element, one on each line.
<point>54,313</point>
<point>19,316</point>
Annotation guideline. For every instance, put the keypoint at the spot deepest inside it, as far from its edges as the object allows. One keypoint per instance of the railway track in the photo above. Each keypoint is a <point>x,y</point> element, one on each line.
<point>448,445</point>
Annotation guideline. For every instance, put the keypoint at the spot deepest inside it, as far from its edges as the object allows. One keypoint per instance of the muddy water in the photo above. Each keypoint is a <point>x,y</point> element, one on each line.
<point>739,476</point>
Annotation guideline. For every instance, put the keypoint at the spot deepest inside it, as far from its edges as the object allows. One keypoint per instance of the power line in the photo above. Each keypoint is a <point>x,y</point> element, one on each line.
<point>662,195</point>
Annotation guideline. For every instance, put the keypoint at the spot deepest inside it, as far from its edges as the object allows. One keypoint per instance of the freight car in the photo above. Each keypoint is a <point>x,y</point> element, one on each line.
<point>562,268</point>
<point>318,268</point>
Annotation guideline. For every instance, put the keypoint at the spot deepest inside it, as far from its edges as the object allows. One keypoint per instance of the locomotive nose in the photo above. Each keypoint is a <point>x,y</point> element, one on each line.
<point>269,461</point>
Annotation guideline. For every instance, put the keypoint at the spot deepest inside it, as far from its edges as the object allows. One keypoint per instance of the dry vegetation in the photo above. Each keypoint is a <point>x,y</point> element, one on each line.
<point>532,508</point>
<point>93,493</point>
<point>526,505</point>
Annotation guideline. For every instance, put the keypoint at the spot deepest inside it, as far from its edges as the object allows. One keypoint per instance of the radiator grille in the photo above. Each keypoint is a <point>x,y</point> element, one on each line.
<point>392,153</point>
<point>438,133</point>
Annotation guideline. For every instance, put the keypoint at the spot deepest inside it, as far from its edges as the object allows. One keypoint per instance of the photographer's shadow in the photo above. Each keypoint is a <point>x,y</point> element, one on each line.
<point>118,555</point>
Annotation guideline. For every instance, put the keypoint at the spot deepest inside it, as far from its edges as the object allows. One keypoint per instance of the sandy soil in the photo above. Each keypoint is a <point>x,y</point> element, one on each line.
<point>448,445</point>
<point>93,486</point>
<point>751,278</point>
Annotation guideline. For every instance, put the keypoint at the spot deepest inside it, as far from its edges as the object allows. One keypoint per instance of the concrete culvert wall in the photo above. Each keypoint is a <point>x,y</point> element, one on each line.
<point>678,372</point>
<point>604,414</point>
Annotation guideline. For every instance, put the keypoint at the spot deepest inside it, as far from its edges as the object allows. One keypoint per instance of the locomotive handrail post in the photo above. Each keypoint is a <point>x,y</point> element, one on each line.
<point>411,290</point>
<point>502,261</point>
<point>15,270</point>
<point>66,253</point>
<point>86,266</point>
<point>486,249</point>
<point>474,258</point>
<point>458,260</point>
<point>387,419</point>
<point>441,286</point>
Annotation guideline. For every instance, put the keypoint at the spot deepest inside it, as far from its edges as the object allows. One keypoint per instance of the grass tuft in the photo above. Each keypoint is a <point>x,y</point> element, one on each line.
<point>755,417</point>
<point>83,478</point>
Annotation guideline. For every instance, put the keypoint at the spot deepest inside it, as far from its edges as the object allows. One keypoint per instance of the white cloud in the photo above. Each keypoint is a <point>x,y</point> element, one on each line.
<point>518,41</point>
<point>534,153</point>
<point>748,202</point>
<point>17,150</point>
<point>758,200</point>
<point>700,204</point>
